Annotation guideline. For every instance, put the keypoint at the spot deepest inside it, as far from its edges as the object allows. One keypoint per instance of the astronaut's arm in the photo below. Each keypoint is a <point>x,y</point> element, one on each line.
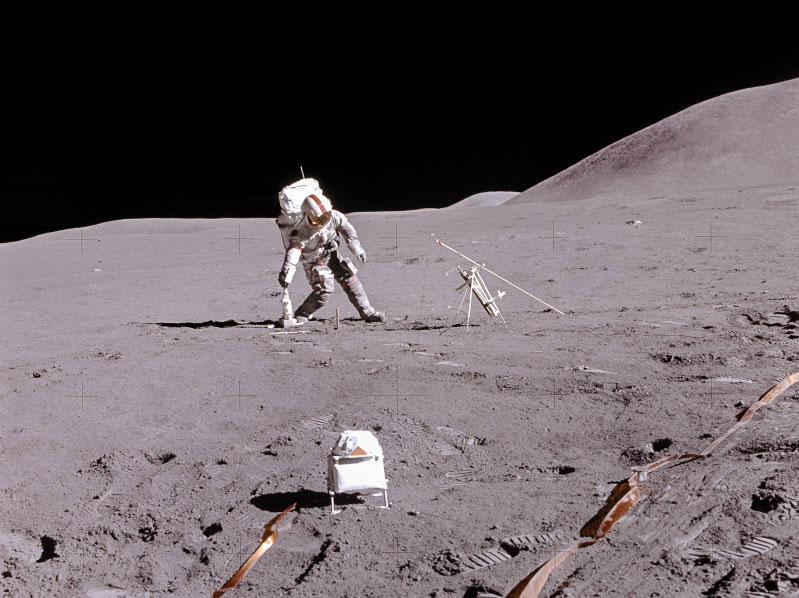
<point>346,230</point>
<point>290,262</point>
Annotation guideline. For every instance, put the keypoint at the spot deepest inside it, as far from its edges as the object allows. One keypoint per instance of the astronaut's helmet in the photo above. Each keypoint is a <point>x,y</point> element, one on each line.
<point>318,209</point>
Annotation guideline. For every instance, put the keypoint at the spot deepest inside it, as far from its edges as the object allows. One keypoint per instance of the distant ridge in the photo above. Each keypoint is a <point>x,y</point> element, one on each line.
<point>747,138</point>
<point>487,198</point>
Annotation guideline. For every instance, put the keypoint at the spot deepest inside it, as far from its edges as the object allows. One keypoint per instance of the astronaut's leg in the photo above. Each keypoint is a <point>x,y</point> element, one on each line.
<point>346,275</point>
<point>320,278</point>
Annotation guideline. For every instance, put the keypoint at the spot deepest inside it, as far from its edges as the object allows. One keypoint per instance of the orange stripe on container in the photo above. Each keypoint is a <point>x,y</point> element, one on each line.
<point>350,282</point>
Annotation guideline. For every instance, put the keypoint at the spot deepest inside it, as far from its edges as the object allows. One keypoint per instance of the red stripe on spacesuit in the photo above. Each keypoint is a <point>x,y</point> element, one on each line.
<point>318,203</point>
<point>355,279</point>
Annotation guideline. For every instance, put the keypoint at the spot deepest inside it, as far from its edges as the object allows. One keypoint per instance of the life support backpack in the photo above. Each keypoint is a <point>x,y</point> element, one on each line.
<point>292,196</point>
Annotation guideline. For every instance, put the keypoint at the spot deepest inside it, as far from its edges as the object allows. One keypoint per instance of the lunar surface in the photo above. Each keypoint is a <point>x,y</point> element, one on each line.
<point>153,422</point>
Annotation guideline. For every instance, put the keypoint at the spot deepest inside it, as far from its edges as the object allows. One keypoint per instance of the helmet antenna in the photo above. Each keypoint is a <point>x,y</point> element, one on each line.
<point>302,172</point>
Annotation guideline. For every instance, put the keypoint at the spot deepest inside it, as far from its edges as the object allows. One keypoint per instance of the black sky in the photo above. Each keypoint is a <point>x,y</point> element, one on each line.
<point>148,115</point>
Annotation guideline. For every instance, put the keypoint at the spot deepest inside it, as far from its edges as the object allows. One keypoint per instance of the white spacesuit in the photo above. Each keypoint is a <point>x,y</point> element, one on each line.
<point>310,228</point>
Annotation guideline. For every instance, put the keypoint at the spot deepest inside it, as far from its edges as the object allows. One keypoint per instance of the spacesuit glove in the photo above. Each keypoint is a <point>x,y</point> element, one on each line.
<point>286,274</point>
<point>361,255</point>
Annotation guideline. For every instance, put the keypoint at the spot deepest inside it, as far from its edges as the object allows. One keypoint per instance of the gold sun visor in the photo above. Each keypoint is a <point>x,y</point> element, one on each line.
<point>318,208</point>
<point>320,220</point>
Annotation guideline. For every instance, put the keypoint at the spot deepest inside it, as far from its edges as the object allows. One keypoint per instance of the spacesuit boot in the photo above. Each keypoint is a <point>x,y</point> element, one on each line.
<point>311,304</point>
<point>357,296</point>
<point>322,282</point>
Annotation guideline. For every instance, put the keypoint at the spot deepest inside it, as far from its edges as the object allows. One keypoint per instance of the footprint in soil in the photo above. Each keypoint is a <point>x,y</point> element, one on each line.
<point>772,450</point>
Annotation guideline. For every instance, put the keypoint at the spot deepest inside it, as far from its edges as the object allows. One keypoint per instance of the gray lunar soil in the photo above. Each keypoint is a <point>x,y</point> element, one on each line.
<point>152,423</point>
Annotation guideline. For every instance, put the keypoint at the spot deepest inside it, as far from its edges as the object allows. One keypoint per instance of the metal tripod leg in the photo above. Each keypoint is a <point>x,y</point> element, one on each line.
<point>504,323</point>
<point>460,306</point>
<point>469,313</point>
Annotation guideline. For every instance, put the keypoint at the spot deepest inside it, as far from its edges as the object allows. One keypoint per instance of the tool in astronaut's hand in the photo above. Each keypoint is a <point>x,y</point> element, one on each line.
<point>287,320</point>
<point>482,267</point>
<point>267,539</point>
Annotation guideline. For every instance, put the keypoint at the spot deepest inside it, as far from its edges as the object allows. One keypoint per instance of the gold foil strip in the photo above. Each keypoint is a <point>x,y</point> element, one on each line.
<point>625,495</point>
<point>267,539</point>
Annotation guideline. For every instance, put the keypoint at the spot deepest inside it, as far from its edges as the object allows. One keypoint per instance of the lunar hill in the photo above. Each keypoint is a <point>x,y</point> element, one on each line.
<point>485,199</point>
<point>747,138</point>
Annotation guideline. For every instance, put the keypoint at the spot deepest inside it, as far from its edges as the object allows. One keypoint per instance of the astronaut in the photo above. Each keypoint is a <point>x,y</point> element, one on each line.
<point>311,230</point>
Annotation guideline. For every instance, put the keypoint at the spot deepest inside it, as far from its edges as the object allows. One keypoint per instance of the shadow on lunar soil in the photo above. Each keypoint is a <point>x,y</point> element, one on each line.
<point>215,324</point>
<point>275,323</point>
<point>275,502</point>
